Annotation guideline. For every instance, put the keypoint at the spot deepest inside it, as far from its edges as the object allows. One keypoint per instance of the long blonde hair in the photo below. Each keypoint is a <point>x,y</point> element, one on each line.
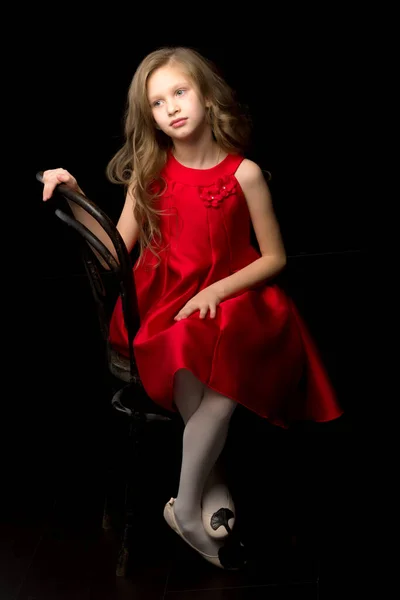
<point>138,163</point>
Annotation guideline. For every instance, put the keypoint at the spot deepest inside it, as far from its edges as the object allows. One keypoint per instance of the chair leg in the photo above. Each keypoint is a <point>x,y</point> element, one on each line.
<point>106,523</point>
<point>107,520</point>
<point>131,469</point>
<point>123,554</point>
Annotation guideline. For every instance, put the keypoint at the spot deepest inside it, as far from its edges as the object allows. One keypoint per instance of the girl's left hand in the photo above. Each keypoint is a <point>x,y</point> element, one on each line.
<point>206,300</point>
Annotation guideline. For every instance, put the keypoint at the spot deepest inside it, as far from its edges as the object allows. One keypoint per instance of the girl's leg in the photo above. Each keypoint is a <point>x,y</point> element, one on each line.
<point>188,394</point>
<point>203,440</point>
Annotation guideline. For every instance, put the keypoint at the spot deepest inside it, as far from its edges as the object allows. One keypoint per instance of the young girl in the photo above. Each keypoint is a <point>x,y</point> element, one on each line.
<point>215,329</point>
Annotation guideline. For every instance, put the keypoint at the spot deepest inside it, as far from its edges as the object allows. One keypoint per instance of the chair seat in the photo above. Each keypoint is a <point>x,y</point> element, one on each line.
<point>120,366</point>
<point>127,402</point>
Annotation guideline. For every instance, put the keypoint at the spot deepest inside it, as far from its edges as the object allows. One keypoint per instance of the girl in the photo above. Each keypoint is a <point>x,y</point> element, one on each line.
<point>218,328</point>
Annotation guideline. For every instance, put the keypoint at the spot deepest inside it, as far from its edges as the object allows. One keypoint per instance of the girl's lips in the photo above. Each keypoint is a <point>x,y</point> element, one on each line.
<point>178,122</point>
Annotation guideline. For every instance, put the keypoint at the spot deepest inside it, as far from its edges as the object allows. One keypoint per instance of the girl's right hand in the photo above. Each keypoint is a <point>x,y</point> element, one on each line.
<point>53,177</point>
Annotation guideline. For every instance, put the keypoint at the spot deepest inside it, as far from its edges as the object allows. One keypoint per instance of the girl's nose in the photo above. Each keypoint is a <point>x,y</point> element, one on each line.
<point>172,108</point>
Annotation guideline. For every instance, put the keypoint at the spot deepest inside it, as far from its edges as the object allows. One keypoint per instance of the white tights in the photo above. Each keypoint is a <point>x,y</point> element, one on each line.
<point>206,415</point>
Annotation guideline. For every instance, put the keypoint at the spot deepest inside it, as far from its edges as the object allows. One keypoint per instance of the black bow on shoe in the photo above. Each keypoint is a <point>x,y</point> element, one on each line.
<point>221,519</point>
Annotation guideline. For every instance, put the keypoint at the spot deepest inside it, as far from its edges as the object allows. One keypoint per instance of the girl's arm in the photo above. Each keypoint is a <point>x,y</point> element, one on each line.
<point>273,255</point>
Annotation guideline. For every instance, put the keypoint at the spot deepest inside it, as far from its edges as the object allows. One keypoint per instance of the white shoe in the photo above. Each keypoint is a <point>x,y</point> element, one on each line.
<point>169,516</point>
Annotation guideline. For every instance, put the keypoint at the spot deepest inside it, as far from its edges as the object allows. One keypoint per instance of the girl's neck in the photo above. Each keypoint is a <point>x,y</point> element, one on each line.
<point>198,156</point>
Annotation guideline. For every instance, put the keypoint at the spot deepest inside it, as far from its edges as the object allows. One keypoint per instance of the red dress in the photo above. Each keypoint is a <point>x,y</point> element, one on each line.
<point>257,350</point>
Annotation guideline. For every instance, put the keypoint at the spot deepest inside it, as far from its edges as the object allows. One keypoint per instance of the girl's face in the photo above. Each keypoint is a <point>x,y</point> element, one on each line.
<point>176,103</point>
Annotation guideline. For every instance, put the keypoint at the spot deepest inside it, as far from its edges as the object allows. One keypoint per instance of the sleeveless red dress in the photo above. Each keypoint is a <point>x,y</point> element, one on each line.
<point>257,350</point>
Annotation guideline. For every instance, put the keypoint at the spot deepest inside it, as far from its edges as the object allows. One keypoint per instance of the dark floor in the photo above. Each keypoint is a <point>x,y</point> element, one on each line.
<point>294,544</point>
<point>294,492</point>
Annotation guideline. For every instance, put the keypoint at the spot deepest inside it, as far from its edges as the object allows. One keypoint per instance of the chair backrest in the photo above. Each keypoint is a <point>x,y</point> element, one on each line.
<point>137,404</point>
<point>121,269</point>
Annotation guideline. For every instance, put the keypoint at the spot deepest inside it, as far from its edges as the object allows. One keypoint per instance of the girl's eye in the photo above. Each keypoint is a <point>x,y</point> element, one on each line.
<point>179,92</point>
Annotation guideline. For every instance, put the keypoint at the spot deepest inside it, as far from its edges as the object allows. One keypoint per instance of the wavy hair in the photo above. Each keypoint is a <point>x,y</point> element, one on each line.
<point>139,162</point>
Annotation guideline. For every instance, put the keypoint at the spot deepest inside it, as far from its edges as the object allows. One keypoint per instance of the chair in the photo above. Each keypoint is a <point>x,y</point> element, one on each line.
<point>128,395</point>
